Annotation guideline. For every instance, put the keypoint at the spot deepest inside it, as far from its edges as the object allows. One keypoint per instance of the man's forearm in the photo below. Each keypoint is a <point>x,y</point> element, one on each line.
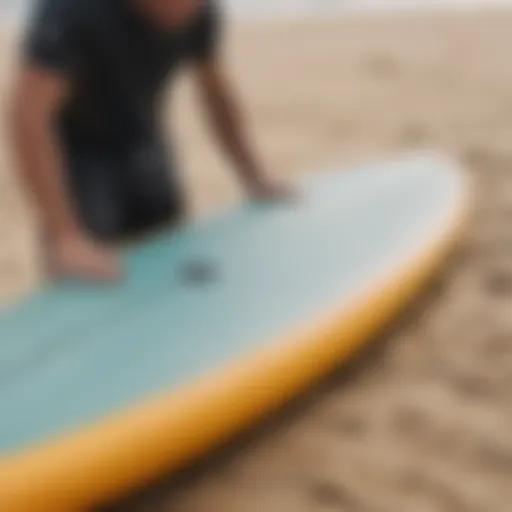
<point>230,130</point>
<point>233,137</point>
<point>41,167</point>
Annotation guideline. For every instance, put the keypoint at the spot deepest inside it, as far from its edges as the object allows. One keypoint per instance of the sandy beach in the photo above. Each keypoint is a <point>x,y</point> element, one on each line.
<point>425,425</point>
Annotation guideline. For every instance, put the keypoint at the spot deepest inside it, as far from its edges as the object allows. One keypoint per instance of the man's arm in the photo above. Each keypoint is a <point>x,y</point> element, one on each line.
<point>39,94</point>
<point>225,115</point>
<point>223,109</point>
<point>47,62</point>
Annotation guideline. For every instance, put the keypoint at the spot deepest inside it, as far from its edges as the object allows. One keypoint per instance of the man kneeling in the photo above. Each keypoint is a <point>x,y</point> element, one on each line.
<point>86,120</point>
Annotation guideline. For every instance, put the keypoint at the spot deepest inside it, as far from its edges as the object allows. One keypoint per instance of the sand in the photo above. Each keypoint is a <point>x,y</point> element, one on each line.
<point>425,425</point>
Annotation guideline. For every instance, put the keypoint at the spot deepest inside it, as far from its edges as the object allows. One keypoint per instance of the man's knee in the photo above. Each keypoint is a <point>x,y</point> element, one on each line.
<point>155,196</point>
<point>96,197</point>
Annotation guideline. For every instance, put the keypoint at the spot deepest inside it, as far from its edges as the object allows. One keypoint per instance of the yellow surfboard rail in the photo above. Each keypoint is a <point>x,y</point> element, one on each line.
<point>105,460</point>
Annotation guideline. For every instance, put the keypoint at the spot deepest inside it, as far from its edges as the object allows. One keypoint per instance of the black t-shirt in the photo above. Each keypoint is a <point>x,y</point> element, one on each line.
<point>116,63</point>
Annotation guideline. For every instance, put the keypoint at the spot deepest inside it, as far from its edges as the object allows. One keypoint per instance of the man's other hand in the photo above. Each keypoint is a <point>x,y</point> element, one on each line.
<point>268,190</point>
<point>74,256</point>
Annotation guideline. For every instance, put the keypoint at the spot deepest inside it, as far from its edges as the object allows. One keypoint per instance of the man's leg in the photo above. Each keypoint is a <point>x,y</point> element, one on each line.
<point>154,197</point>
<point>98,196</point>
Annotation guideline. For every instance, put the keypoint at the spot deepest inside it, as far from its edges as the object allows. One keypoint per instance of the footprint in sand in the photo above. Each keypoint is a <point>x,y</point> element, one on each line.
<point>498,283</point>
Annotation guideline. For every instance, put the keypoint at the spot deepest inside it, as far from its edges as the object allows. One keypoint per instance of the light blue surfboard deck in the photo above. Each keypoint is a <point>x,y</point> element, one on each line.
<point>215,292</point>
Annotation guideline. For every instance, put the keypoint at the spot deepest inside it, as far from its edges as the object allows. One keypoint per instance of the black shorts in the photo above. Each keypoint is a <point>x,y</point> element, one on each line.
<point>122,193</point>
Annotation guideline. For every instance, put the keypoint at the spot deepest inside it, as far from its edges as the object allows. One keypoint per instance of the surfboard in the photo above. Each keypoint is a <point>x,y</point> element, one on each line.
<point>216,324</point>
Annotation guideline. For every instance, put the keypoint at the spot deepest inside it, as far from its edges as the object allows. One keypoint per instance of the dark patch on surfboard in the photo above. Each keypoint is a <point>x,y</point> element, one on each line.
<point>198,272</point>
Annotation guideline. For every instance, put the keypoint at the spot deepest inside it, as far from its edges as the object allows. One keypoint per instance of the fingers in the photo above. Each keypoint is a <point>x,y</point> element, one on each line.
<point>277,192</point>
<point>83,260</point>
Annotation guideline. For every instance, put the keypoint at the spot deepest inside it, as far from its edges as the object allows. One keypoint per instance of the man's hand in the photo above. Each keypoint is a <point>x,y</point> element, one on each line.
<point>75,256</point>
<point>269,190</point>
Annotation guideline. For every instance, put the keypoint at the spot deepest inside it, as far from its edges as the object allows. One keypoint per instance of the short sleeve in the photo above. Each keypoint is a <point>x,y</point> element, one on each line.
<point>50,36</point>
<point>207,33</point>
